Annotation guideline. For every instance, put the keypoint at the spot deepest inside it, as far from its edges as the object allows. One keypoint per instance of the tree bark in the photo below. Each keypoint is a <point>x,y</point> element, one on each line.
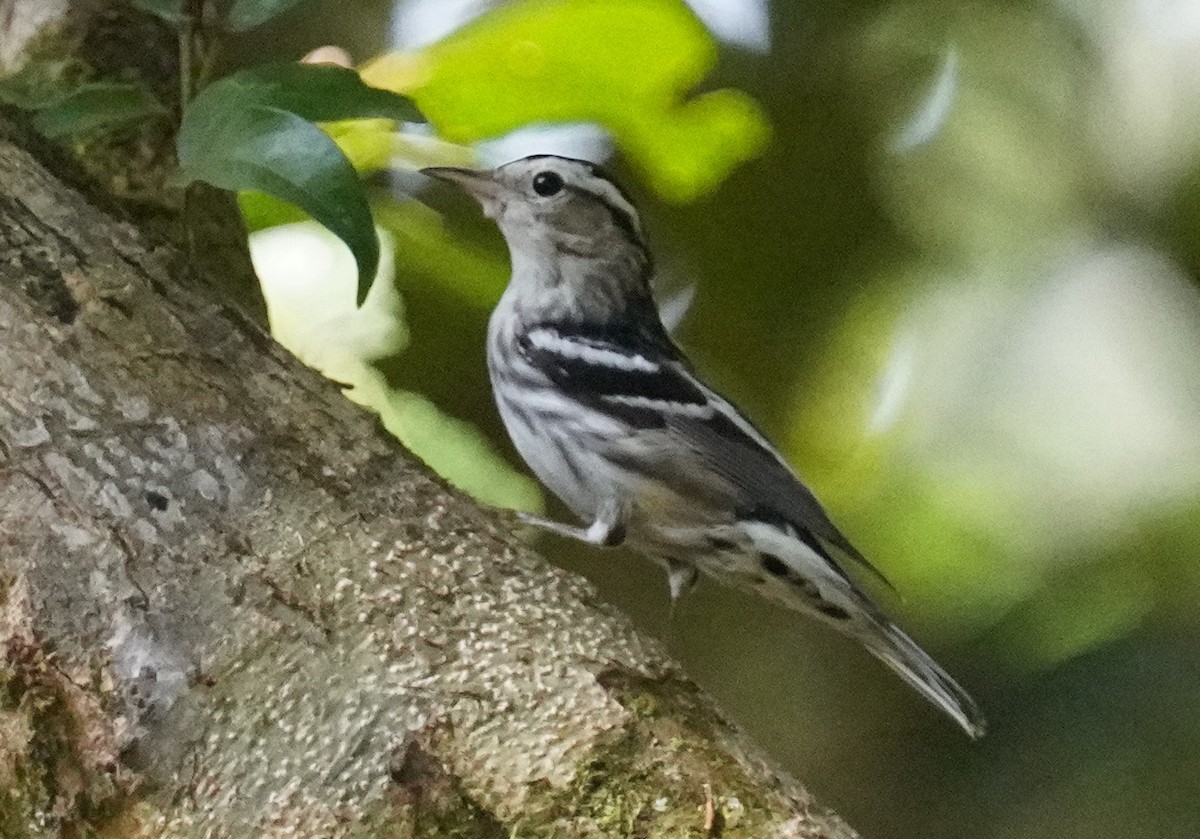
<point>231,606</point>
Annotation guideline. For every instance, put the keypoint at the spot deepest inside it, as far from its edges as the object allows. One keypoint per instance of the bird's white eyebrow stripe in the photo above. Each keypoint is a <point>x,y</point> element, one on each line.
<point>548,340</point>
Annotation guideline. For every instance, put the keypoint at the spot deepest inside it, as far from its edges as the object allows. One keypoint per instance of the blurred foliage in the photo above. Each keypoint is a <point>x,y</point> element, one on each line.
<point>66,101</point>
<point>41,83</point>
<point>233,15</point>
<point>169,10</point>
<point>247,14</point>
<point>620,63</point>
<point>94,107</point>
<point>997,207</point>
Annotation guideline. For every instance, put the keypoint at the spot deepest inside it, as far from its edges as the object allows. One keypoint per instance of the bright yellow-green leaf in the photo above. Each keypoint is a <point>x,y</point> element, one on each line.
<point>372,145</point>
<point>261,211</point>
<point>309,280</point>
<point>367,143</point>
<point>457,451</point>
<point>622,63</point>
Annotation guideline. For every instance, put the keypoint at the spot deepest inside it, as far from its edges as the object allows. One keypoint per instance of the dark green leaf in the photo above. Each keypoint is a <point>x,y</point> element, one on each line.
<point>252,131</point>
<point>247,14</point>
<point>317,92</point>
<point>42,82</point>
<point>169,10</point>
<point>283,155</point>
<point>96,106</point>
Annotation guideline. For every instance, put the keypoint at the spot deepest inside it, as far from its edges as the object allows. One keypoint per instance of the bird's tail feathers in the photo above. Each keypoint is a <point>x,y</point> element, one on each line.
<point>899,652</point>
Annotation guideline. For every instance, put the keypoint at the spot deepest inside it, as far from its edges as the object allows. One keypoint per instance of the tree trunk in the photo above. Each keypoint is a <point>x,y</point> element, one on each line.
<point>231,606</point>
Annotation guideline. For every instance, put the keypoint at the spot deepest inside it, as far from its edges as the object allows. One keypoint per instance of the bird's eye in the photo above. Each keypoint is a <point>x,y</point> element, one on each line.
<point>546,184</point>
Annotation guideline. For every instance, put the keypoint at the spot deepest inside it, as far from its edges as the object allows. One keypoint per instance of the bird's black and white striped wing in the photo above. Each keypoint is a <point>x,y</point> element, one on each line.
<point>636,377</point>
<point>646,382</point>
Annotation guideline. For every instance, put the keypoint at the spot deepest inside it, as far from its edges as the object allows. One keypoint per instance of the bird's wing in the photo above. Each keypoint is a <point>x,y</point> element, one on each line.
<point>770,491</point>
<point>627,374</point>
<point>645,380</point>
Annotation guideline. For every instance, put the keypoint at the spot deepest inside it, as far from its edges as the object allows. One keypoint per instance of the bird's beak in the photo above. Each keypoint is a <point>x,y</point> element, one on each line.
<point>481,184</point>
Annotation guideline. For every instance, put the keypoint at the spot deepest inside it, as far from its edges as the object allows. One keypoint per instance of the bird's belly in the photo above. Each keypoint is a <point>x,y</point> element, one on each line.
<point>575,474</point>
<point>584,465</point>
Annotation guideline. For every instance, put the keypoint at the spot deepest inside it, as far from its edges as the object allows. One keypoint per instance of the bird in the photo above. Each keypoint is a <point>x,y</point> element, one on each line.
<point>611,416</point>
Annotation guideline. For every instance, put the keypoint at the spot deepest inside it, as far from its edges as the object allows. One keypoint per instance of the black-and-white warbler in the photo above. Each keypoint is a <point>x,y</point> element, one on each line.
<point>608,413</point>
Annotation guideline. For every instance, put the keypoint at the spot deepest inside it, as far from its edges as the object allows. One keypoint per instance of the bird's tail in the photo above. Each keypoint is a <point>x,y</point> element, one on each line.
<point>899,652</point>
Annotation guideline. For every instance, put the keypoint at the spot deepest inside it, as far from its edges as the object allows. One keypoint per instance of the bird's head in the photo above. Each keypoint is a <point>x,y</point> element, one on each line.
<point>574,237</point>
<point>551,208</point>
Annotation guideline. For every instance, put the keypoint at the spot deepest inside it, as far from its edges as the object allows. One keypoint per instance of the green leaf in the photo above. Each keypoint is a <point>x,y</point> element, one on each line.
<point>42,82</point>
<point>317,92</point>
<point>283,155</point>
<point>457,451</point>
<point>96,106</point>
<point>375,144</point>
<point>247,14</point>
<point>308,281</point>
<point>367,143</point>
<point>169,10</point>
<point>252,131</point>
<point>621,63</point>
